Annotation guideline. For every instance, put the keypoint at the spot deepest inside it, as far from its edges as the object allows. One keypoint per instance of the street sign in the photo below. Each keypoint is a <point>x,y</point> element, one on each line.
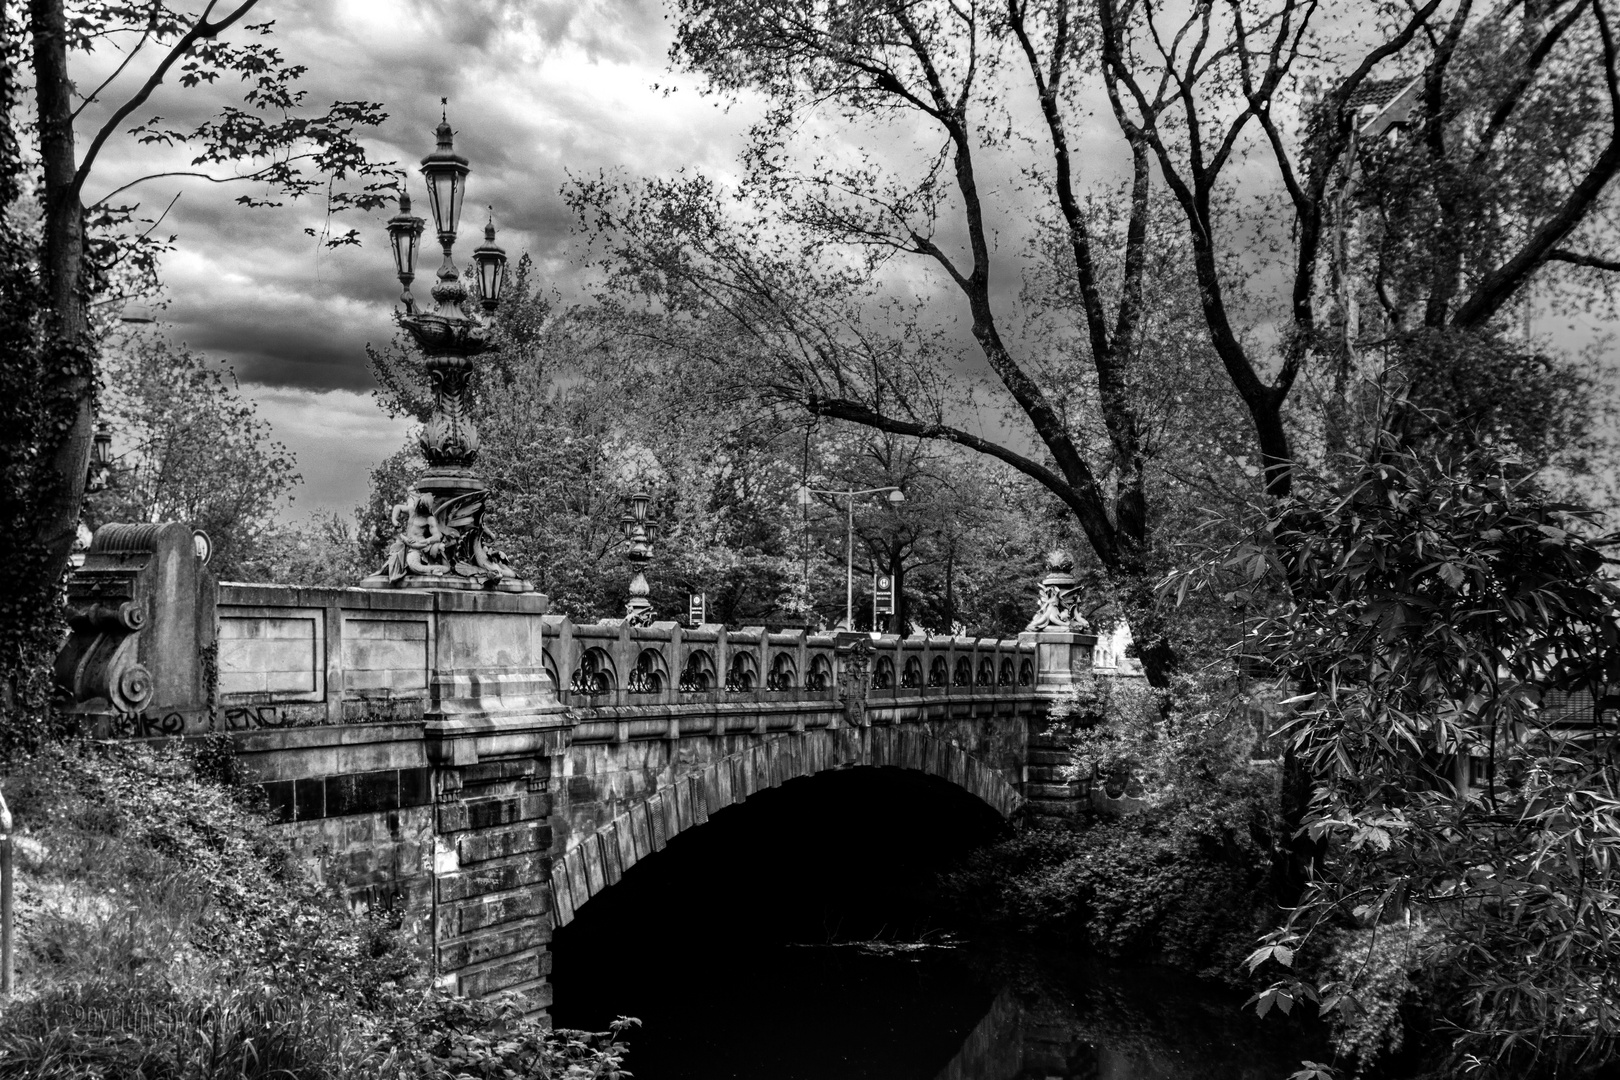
<point>696,609</point>
<point>882,594</point>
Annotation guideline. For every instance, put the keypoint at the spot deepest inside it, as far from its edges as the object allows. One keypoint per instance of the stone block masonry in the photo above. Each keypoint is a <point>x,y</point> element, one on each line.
<point>487,769</point>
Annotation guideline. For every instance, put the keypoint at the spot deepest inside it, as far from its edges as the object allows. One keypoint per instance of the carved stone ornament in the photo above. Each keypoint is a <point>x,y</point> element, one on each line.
<point>855,680</point>
<point>110,600</point>
<point>442,544</point>
<point>98,660</point>
<point>449,438</point>
<point>639,610</point>
<point>1057,607</point>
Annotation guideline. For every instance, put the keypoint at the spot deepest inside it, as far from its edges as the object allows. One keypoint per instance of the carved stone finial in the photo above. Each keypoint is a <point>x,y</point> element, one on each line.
<point>1057,606</point>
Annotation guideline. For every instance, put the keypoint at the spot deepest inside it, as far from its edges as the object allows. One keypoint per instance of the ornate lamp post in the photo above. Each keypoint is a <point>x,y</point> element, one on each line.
<point>442,543</point>
<point>640,531</point>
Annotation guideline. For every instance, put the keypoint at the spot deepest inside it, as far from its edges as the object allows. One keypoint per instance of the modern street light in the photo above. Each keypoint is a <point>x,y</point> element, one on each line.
<point>896,497</point>
<point>442,543</point>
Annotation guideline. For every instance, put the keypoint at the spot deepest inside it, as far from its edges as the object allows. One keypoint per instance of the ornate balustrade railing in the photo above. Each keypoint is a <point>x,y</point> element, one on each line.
<point>300,657</point>
<point>242,657</point>
<point>613,665</point>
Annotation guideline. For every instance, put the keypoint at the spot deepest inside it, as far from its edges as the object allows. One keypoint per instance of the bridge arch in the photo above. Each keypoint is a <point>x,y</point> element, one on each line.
<point>599,857</point>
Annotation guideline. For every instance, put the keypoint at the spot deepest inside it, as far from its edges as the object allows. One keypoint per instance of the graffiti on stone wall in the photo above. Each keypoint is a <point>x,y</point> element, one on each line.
<point>248,717</point>
<point>254,716</point>
<point>144,725</point>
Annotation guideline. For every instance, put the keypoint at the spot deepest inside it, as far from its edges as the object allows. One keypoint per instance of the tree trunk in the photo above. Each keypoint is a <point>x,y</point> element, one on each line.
<point>68,370</point>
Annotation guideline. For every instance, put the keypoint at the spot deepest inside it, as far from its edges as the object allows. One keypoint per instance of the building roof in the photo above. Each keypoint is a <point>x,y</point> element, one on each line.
<point>1575,708</point>
<point>1376,93</point>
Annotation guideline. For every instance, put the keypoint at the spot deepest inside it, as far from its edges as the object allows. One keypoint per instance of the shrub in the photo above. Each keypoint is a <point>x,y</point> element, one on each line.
<point>165,931</point>
<point>1378,971</point>
<point>1183,884</point>
<point>436,1036</point>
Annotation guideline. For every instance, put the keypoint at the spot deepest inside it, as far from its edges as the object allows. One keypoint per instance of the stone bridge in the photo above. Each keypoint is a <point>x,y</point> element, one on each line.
<point>488,768</point>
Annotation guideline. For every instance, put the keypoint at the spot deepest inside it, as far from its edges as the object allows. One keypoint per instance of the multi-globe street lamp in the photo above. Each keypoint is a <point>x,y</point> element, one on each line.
<point>896,497</point>
<point>640,533</point>
<point>442,542</point>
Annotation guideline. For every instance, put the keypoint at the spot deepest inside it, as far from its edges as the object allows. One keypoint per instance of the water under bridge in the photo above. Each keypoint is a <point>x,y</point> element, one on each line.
<point>488,768</point>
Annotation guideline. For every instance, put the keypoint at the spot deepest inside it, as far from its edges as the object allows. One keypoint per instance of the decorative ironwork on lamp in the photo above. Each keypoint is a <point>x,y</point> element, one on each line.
<point>640,532</point>
<point>404,234</point>
<point>101,457</point>
<point>442,542</point>
<point>490,263</point>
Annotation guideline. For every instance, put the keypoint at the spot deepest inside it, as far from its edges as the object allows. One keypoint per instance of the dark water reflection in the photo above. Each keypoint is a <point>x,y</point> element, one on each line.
<point>970,1013</point>
<point>719,945</point>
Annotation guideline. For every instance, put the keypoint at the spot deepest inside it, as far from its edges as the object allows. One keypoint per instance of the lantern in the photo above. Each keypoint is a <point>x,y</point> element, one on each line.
<point>101,446</point>
<point>446,173</point>
<point>640,528</point>
<point>96,476</point>
<point>404,230</point>
<point>490,261</point>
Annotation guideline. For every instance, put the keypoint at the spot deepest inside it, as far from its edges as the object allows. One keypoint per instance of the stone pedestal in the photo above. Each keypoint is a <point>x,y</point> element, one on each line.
<point>1062,658</point>
<point>1062,661</point>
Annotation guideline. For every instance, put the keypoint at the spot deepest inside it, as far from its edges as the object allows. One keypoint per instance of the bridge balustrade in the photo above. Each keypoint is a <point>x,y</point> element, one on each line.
<point>601,667</point>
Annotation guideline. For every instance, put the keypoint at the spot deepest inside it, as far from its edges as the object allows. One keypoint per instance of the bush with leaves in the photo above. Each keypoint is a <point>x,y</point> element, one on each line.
<point>437,1036</point>
<point>1181,884</point>
<point>1425,606</point>
<point>166,930</point>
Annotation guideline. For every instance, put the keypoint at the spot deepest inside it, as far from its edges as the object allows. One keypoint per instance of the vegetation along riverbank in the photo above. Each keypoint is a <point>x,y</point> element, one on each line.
<point>164,929</point>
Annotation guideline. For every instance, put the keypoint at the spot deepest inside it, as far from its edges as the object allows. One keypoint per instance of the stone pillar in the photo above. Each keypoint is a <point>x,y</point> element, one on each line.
<point>1063,649</point>
<point>492,728</point>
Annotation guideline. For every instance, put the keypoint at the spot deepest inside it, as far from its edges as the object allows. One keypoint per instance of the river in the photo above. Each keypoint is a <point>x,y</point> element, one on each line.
<point>762,946</point>
<point>967,1012</point>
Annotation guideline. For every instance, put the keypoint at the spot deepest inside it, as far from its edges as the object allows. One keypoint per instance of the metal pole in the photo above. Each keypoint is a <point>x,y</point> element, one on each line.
<point>5,899</point>
<point>849,568</point>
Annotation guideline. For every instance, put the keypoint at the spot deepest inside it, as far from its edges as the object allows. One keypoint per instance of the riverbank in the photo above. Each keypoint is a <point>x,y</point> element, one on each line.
<point>165,929</point>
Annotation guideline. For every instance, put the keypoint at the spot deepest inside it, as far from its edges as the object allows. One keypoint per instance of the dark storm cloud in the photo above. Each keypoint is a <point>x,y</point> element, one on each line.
<point>535,90</point>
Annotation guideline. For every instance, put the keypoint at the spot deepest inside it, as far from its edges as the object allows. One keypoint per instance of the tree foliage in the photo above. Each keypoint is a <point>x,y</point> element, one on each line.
<point>189,448</point>
<point>576,409</point>
<point>1427,608</point>
<point>1259,206</point>
<point>69,245</point>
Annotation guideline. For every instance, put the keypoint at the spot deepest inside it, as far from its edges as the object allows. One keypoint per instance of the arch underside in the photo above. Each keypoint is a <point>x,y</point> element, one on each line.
<point>599,859</point>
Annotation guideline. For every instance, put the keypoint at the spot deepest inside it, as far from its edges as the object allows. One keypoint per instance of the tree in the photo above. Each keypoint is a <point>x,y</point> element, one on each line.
<point>189,448</point>
<point>575,409</point>
<point>961,550</point>
<point>945,103</point>
<point>71,246</point>
<point>1429,609</point>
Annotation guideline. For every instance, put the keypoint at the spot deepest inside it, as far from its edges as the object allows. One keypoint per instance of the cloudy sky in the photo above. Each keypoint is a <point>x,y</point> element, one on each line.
<point>537,90</point>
